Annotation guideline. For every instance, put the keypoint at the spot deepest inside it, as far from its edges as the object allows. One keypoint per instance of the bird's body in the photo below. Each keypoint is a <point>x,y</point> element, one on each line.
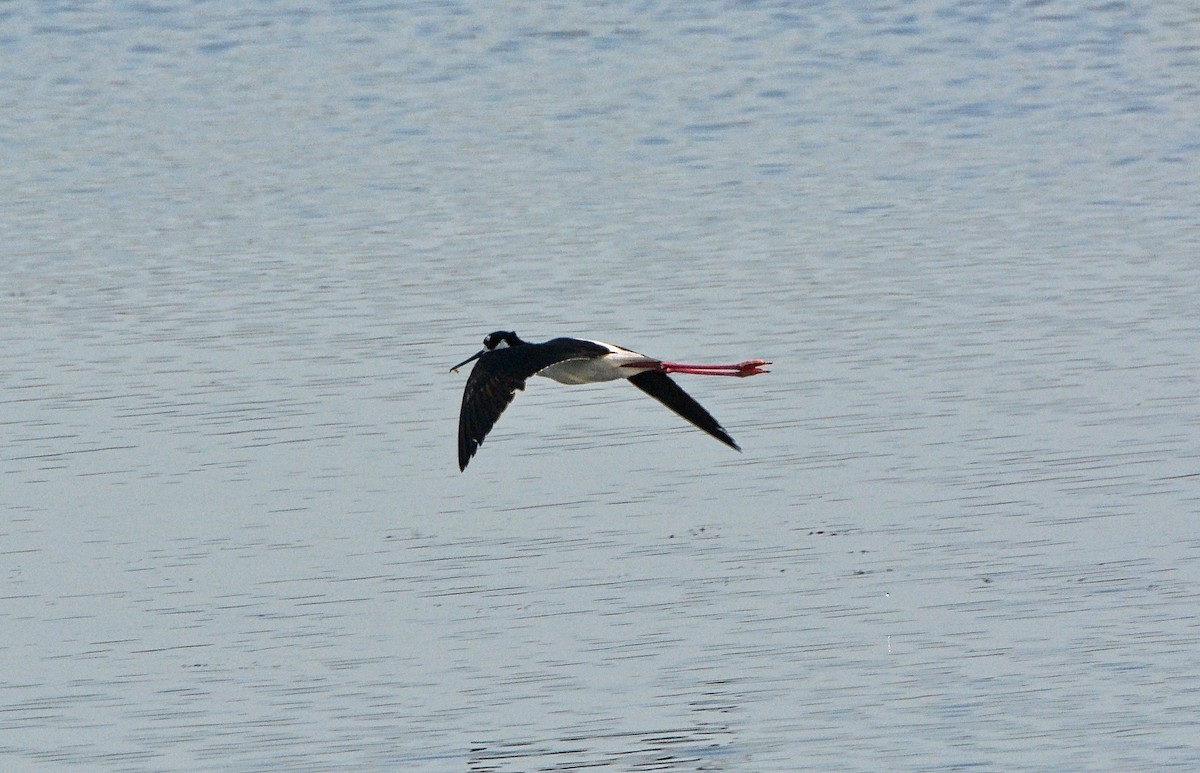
<point>590,362</point>
<point>507,362</point>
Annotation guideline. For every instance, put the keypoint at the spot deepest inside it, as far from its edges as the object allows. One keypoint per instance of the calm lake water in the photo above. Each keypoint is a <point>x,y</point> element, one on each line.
<point>243,243</point>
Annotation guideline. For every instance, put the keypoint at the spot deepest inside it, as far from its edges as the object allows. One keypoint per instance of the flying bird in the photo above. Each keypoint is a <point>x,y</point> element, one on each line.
<point>506,362</point>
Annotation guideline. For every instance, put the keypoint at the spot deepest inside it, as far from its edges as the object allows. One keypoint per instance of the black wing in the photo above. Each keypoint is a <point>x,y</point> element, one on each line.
<point>493,383</point>
<point>662,388</point>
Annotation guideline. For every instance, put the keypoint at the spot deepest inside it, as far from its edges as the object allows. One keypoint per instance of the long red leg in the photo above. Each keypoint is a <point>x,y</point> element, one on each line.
<point>740,370</point>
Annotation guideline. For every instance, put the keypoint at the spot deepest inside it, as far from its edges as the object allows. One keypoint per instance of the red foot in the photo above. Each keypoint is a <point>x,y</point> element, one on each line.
<point>751,368</point>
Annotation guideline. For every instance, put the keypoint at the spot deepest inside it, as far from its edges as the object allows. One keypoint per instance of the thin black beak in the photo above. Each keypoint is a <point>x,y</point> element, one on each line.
<point>474,356</point>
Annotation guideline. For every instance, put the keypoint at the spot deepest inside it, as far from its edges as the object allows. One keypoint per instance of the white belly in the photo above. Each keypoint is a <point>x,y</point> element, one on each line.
<point>596,369</point>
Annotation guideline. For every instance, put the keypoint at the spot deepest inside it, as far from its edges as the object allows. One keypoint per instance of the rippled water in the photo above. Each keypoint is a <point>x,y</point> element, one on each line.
<point>244,245</point>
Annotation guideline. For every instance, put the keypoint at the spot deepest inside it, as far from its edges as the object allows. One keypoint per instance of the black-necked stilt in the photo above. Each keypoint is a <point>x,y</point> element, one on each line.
<point>506,362</point>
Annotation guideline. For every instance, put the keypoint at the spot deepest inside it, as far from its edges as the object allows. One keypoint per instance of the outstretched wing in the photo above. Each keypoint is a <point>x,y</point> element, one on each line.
<point>662,388</point>
<point>493,383</point>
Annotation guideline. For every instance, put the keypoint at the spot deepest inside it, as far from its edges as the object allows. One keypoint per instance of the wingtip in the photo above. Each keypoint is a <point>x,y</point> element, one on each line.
<point>721,434</point>
<point>465,455</point>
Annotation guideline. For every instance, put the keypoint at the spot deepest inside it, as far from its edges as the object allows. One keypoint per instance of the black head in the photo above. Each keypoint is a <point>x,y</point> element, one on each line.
<point>502,338</point>
<point>498,340</point>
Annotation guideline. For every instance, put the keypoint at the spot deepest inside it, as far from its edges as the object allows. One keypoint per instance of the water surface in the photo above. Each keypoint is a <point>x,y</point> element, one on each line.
<point>244,245</point>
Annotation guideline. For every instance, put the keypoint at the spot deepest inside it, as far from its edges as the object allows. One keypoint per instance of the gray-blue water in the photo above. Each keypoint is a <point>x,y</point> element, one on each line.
<point>243,243</point>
